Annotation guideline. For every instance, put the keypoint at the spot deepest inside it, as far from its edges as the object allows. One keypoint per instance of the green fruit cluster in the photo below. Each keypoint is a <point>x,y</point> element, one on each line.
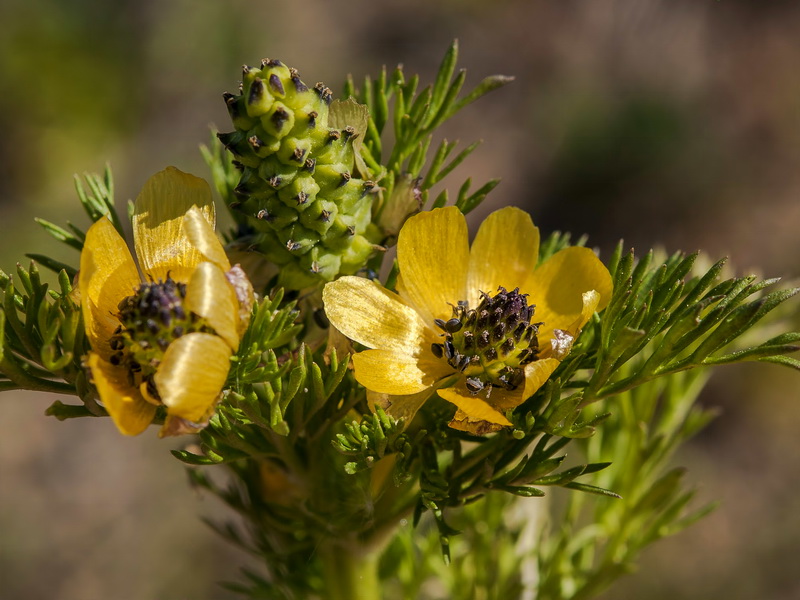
<point>298,188</point>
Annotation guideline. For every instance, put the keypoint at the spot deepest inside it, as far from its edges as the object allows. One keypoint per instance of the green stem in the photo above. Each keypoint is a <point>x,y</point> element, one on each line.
<point>6,386</point>
<point>22,379</point>
<point>350,573</point>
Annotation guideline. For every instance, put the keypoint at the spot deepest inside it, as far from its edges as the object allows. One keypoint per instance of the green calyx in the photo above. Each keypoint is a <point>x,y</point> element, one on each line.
<point>492,343</point>
<point>301,190</point>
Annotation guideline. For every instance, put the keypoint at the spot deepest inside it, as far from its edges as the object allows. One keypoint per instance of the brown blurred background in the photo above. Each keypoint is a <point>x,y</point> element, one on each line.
<point>672,123</point>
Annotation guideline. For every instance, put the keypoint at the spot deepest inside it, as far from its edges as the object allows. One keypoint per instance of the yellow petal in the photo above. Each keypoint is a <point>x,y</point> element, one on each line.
<point>432,252</point>
<point>371,315</point>
<point>130,412</point>
<point>159,234</point>
<point>474,407</point>
<point>107,275</point>
<point>201,235</point>
<point>504,253</point>
<point>558,285</point>
<point>536,374</point>
<point>191,375</point>
<point>398,374</point>
<point>400,407</point>
<point>210,296</point>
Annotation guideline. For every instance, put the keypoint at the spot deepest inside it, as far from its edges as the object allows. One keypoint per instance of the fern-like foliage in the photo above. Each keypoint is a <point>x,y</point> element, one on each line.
<point>415,116</point>
<point>41,334</point>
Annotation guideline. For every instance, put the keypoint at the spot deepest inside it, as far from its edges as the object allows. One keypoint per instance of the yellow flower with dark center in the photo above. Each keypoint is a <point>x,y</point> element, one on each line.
<point>162,335</point>
<point>483,326</point>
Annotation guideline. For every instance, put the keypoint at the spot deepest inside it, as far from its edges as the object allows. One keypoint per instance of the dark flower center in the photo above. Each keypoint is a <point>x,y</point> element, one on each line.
<point>150,319</point>
<point>492,343</point>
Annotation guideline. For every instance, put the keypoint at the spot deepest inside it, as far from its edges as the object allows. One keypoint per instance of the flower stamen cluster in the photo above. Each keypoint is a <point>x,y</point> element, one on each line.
<point>491,343</point>
<point>152,318</point>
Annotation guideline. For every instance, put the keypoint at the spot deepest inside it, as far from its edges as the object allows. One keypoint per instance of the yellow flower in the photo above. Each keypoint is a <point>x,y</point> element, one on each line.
<point>163,337</point>
<point>454,326</point>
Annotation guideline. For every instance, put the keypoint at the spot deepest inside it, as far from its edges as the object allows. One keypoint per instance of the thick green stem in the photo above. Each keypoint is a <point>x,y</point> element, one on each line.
<point>350,573</point>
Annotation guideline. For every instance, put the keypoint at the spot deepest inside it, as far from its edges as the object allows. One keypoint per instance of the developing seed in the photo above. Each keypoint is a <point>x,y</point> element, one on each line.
<point>279,117</point>
<point>276,85</point>
<point>469,340</point>
<point>298,84</point>
<point>499,332</point>
<point>299,155</point>
<point>483,339</point>
<point>256,91</point>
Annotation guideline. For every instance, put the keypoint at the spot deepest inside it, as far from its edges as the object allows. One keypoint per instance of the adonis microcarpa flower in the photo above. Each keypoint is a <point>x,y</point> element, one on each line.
<point>162,334</point>
<point>483,326</point>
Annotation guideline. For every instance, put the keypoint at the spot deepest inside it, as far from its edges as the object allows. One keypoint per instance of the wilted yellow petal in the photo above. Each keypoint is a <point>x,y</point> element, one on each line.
<point>462,422</point>
<point>210,296</point>
<point>107,275</point>
<point>591,304</point>
<point>245,296</point>
<point>558,285</point>
<point>130,412</point>
<point>504,253</point>
<point>192,373</point>
<point>373,316</point>
<point>400,407</point>
<point>432,252</point>
<point>201,235</point>
<point>398,374</point>
<point>175,426</point>
<point>501,399</point>
<point>159,233</point>
<point>474,407</point>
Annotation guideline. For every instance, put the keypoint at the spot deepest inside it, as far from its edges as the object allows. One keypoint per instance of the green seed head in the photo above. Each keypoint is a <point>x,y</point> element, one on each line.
<point>491,343</point>
<point>299,189</point>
